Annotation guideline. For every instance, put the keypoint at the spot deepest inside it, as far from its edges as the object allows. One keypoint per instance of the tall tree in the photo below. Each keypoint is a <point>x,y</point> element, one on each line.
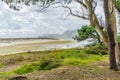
<point>109,9</point>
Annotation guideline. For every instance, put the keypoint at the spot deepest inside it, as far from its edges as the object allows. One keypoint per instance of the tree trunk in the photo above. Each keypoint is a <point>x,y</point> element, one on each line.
<point>111,32</point>
<point>95,23</point>
<point>113,19</point>
<point>114,27</point>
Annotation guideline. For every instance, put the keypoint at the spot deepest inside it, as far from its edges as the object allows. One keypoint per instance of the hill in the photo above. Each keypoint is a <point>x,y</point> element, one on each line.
<point>66,35</point>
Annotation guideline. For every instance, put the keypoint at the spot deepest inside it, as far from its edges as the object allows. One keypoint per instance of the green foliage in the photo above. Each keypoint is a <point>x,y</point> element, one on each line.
<point>86,32</point>
<point>118,8</point>
<point>118,5</point>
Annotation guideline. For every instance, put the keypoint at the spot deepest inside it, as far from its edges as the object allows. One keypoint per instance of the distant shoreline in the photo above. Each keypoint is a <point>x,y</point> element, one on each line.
<point>27,38</point>
<point>9,40</point>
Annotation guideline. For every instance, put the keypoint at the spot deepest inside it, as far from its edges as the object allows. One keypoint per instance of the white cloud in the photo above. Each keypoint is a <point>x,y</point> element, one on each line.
<point>28,23</point>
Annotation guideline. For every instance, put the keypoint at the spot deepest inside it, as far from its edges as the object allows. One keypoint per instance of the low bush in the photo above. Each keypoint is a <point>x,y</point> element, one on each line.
<point>98,50</point>
<point>49,64</point>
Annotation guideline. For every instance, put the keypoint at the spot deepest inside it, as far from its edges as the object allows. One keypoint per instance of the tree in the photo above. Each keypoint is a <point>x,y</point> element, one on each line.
<point>111,31</point>
<point>86,32</point>
<point>88,13</point>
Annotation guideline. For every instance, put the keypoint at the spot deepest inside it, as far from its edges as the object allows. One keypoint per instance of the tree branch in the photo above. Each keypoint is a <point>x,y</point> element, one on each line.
<point>83,16</point>
<point>81,3</point>
<point>95,3</point>
<point>71,12</point>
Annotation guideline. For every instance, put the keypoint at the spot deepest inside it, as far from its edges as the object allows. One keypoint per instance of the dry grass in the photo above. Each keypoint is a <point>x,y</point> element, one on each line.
<point>76,73</point>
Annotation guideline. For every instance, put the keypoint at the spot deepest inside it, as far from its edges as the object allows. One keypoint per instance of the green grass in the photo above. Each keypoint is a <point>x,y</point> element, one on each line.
<point>27,68</point>
<point>7,73</point>
<point>47,60</point>
<point>83,59</point>
<point>43,65</point>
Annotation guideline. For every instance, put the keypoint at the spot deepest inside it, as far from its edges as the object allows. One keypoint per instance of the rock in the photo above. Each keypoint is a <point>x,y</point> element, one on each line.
<point>19,78</point>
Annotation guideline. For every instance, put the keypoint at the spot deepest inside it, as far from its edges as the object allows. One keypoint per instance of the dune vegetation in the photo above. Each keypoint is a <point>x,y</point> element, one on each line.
<point>30,64</point>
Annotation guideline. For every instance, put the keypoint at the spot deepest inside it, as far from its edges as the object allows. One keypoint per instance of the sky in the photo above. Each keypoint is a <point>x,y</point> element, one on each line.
<point>29,23</point>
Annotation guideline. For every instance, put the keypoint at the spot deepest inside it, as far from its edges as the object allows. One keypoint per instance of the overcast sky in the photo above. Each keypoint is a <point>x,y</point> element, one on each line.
<point>29,23</point>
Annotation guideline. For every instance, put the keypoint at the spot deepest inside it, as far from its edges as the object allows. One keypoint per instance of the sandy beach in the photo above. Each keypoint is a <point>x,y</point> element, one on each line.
<point>11,46</point>
<point>17,46</point>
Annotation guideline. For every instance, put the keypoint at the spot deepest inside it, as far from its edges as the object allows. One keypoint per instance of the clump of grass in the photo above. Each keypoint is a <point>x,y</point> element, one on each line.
<point>43,65</point>
<point>75,61</point>
<point>49,64</point>
<point>27,68</point>
<point>84,60</point>
<point>76,53</point>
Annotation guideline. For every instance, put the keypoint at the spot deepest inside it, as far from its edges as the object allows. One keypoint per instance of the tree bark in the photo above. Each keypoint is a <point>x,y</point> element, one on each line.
<point>111,32</point>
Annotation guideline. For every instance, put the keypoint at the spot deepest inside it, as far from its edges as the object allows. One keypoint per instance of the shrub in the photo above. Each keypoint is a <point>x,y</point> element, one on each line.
<point>98,50</point>
<point>49,64</point>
